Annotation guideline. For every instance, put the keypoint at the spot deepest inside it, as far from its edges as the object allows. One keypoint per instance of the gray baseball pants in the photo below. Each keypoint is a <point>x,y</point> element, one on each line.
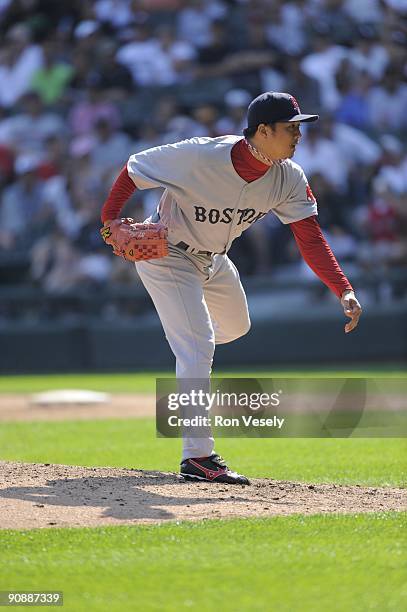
<point>201,302</point>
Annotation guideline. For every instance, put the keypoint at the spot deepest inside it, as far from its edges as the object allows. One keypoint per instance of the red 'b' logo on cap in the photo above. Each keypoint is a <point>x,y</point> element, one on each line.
<point>295,103</point>
<point>310,195</point>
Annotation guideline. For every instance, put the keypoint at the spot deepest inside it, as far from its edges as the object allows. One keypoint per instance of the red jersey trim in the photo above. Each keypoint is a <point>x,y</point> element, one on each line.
<point>121,190</point>
<point>317,253</point>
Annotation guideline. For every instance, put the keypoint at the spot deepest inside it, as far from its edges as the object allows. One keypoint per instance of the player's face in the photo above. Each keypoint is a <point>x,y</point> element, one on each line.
<point>281,142</point>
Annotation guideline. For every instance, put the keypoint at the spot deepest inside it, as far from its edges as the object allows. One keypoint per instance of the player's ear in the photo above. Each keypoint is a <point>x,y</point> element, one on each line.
<point>266,129</point>
<point>262,130</point>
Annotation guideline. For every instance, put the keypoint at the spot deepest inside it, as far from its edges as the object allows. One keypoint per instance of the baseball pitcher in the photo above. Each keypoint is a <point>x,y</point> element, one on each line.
<point>214,189</point>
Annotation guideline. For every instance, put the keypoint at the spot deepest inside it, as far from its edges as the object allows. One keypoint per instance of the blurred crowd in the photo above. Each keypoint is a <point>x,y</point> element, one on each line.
<point>84,84</point>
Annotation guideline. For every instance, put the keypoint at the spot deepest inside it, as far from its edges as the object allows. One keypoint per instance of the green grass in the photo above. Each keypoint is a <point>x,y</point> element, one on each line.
<point>132,443</point>
<point>320,563</point>
<point>144,382</point>
<point>297,563</point>
<point>112,383</point>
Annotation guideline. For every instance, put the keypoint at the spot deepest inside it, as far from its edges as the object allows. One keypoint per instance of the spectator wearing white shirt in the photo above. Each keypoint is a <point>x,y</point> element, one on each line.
<point>19,60</point>
<point>137,54</point>
<point>359,154</point>
<point>322,64</point>
<point>174,57</point>
<point>364,11</point>
<point>317,154</point>
<point>388,102</point>
<point>356,147</point>
<point>393,169</point>
<point>155,60</point>
<point>286,28</point>
<point>117,13</point>
<point>195,20</point>
<point>367,54</point>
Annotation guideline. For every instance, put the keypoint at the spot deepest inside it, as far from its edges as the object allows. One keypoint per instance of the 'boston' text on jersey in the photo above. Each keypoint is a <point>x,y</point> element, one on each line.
<point>213,215</point>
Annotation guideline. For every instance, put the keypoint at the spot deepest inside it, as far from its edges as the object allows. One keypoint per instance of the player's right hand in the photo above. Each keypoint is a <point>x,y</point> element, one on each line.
<point>352,309</point>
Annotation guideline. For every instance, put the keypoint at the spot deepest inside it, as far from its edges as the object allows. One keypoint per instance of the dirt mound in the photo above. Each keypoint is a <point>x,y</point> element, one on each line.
<point>15,407</point>
<point>42,495</point>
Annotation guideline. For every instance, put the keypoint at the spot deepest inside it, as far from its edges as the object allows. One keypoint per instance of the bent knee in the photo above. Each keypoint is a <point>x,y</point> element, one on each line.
<point>245,328</point>
<point>235,333</point>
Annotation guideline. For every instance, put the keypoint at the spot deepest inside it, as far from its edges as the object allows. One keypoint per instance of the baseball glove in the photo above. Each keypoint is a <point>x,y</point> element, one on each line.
<point>135,241</point>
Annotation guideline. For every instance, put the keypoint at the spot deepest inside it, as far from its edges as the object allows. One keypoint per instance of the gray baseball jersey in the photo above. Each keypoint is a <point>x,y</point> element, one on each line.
<point>206,204</point>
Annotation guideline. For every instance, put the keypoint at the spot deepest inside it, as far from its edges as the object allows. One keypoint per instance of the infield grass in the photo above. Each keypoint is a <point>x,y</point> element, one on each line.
<point>337,562</point>
<point>132,443</point>
<point>144,382</point>
<point>298,563</point>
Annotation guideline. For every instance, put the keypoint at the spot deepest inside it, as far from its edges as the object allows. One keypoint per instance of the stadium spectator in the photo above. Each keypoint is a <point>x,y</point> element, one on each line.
<point>388,102</point>
<point>286,28</point>
<point>114,78</point>
<point>51,81</point>
<point>234,121</point>
<point>27,208</point>
<point>111,149</point>
<point>319,154</point>
<point>116,13</point>
<point>19,61</point>
<point>393,166</point>
<point>368,54</point>
<point>353,107</point>
<point>302,86</point>
<point>28,130</point>
<point>194,21</point>
<point>94,106</point>
<point>156,58</point>
<point>90,82</point>
<point>322,64</point>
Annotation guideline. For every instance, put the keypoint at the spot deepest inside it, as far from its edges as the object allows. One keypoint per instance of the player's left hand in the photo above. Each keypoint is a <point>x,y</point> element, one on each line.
<point>136,241</point>
<point>352,309</point>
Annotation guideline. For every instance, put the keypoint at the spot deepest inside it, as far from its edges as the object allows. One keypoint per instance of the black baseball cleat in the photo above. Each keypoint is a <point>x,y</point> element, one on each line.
<point>210,469</point>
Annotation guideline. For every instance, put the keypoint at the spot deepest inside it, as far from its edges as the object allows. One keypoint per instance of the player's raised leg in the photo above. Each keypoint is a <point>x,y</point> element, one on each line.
<point>226,301</point>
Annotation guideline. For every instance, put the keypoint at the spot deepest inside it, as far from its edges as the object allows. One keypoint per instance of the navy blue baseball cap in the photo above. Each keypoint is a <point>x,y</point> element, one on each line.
<point>273,106</point>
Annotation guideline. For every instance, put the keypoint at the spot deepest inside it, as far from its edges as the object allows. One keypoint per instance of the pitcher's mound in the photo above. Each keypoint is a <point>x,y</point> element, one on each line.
<point>44,495</point>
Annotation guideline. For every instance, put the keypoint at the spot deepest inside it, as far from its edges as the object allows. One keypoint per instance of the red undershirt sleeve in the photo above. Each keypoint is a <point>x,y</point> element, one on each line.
<point>121,190</point>
<point>317,253</point>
